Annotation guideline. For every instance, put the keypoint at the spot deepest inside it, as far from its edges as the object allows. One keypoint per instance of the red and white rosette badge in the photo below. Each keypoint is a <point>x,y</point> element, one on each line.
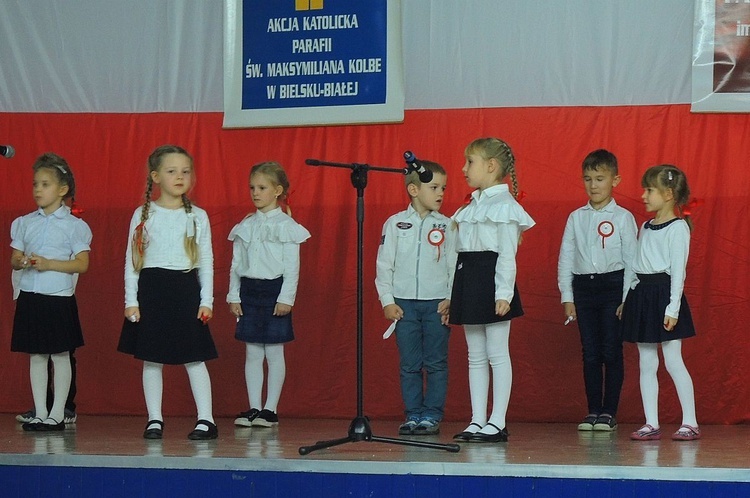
<point>436,237</point>
<point>605,229</point>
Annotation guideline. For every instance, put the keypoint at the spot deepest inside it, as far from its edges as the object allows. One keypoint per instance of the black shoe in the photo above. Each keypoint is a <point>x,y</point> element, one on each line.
<point>154,432</point>
<point>466,435</point>
<point>605,423</point>
<point>266,418</point>
<point>245,419</point>
<point>199,434</point>
<point>499,437</point>
<point>32,425</point>
<point>57,426</point>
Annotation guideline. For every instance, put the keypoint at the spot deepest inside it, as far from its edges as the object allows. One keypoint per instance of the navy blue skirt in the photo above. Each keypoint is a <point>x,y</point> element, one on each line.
<point>643,313</point>
<point>473,293</point>
<point>169,330</point>
<point>45,324</point>
<point>258,324</point>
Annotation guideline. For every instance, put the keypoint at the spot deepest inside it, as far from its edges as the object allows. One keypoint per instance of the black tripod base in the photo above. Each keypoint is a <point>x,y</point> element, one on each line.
<point>359,430</point>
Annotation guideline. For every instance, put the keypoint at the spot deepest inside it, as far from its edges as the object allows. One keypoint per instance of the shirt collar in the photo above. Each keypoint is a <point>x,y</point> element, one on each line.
<point>60,212</point>
<point>274,212</point>
<point>410,211</point>
<point>491,191</point>
<point>609,208</point>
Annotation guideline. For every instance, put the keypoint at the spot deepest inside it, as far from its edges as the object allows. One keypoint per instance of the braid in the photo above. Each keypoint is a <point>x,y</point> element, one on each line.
<point>191,246</point>
<point>140,235</point>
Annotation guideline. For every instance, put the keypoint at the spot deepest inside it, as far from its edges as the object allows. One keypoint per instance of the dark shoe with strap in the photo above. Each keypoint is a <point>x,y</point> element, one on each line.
<point>202,434</point>
<point>154,432</point>
<point>54,427</point>
<point>501,436</point>
<point>32,425</point>
<point>466,435</point>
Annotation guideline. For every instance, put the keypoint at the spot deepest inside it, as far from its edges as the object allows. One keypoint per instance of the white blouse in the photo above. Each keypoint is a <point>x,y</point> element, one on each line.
<point>493,221</point>
<point>165,232</point>
<point>265,247</point>
<point>664,249</point>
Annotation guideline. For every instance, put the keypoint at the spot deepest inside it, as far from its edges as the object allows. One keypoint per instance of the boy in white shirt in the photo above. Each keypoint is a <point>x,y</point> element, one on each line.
<point>595,264</point>
<point>415,265</point>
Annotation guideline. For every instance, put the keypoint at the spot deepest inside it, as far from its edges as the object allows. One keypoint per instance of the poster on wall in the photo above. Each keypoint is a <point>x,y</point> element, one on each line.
<point>312,62</point>
<point>721,56</point>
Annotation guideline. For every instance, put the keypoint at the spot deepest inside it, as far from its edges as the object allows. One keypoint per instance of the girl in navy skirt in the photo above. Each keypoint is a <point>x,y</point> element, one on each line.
<point>169,289</point>
<point>262,288</point>
<point>655,310</point>
<point>484,297</point>
<point>50,248</point>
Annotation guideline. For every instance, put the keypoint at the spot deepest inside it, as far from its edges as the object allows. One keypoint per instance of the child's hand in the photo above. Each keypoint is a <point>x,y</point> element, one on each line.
<point>502,307</point>
<point>570,311</point>
<point>205,314</point>
<point>393,312</point>
<point>669,323</point>
<point>444,308</point>
<point>618,313</point>
<point>235,309</point>
<point>281,309</point>
<point>133,314</point>
<point>40,263</point>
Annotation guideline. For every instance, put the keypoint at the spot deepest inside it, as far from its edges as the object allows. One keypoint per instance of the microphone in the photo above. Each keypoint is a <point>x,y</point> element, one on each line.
<point>7,151</point>
<point>425,175</point>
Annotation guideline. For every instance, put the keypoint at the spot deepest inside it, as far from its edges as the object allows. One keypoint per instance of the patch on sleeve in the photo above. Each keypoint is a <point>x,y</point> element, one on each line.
<point>382,239</point>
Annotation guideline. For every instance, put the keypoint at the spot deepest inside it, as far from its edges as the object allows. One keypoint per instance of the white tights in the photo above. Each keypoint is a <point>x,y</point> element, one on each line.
<point>61,384</point>
<point>488,347</point>
<point>200,384</point>
<point>649,364</point>
<point>274,355</point>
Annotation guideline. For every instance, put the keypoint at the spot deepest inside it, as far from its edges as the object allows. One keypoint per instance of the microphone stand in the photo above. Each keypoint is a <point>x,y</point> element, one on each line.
<point>359,429</point>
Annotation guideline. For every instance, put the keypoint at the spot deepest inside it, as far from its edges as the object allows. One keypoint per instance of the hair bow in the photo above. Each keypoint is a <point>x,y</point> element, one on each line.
<point>687,209</point>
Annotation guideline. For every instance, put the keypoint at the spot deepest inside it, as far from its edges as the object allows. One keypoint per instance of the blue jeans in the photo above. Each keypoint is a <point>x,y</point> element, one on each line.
<point>596,299</point>
<point>423,350</point>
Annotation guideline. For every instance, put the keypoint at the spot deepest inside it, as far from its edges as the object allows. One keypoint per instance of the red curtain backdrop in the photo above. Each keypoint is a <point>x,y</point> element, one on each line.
<point>108,153</point>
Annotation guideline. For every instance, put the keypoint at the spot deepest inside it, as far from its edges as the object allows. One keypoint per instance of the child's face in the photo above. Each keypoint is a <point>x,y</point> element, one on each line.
<point>264,193</point>
<point>428,196</point>
<point>174,176</point>
<point>480,172</point>
<point>656,199</point>
<point>48,192</point>
<point>599,184</point>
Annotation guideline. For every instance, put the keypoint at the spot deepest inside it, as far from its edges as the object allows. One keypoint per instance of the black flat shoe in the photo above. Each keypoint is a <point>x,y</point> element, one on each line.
<point>466,435</point>
<point>154,432</point>
<point>33,425</point>
<point>499,437</point>
<point>200,434</point>
<point>56,427</point>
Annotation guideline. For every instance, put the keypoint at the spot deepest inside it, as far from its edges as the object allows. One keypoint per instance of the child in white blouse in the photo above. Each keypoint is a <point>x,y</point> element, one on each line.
<point>169,289</point>
<point>262,289</point>
<point>656,311</point>
<point>50,248</point>
<point>484,297</point>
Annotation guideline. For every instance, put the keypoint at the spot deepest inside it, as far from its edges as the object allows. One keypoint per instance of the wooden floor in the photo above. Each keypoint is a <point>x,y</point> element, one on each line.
<point>541,450</point>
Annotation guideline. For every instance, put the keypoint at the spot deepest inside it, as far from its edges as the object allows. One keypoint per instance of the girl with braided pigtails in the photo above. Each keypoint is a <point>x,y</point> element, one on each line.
<point>169,289</point>
<point>484,297</point>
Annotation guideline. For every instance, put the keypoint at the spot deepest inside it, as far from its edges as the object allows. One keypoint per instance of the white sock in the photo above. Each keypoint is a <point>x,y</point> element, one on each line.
<point>153,386</point>
<point>498,354</point>
<point>200,384</point>
<point>61,385</point>
<point>276,375</point>
<point>683,383</point>
<point>38,375</point>
<point>479,373</point>
<point>254,355</point>
<point>649,364</point>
